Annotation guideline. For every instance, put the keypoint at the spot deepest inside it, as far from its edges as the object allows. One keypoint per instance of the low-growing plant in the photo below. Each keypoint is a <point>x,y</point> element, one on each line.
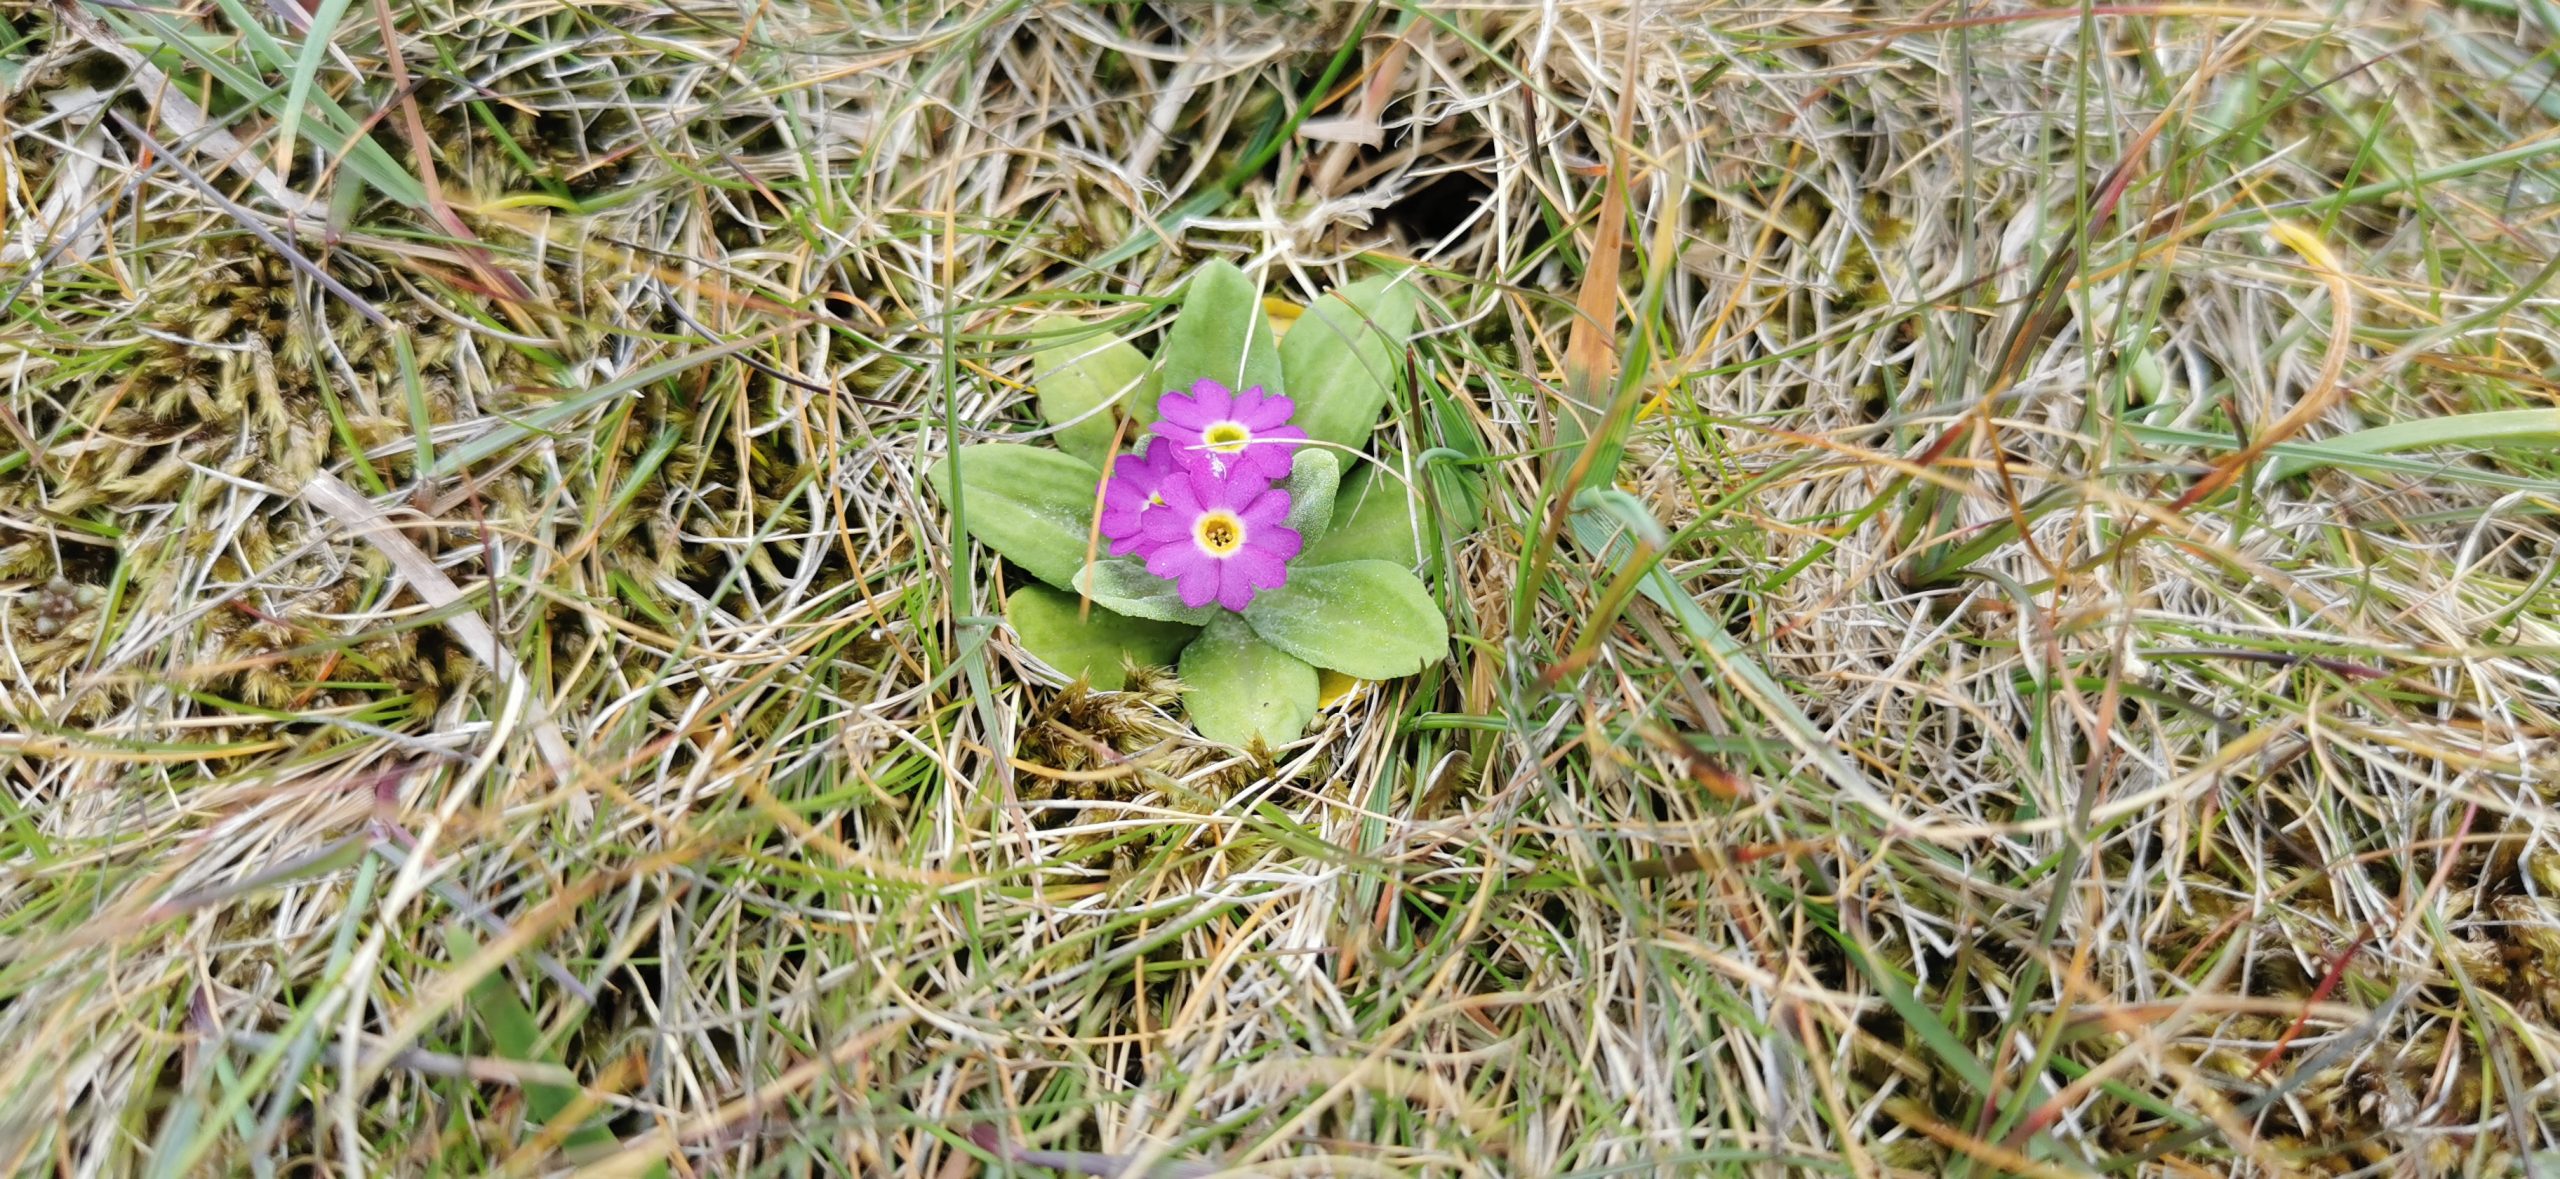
<point>1243,535</point>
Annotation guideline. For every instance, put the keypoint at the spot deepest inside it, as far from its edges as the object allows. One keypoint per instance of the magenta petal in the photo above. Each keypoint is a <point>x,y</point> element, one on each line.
<point>1157,462</point>
<point>1183,441</point>
<point>1260,462</point>
<point>1190,449</point>
<point>1176,561</point>
<point>1179,410</point>
<point>1123,504</point>
<point>1164,527</point>
<point>1175,551</point>
<point>1207,402</point>
<point>1261,412</point>
<point>1214,398</point>
<point>1268,510</point>
<point>1199,586</point>
<point>1271,453</point>
<point>1209,489</point>
<point>1129,495</point>
<point>1269,565</point>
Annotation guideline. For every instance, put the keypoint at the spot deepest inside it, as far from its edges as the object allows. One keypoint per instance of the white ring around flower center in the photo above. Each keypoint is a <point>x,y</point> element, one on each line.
<point>1218,533</point>
<point>1226,437</point>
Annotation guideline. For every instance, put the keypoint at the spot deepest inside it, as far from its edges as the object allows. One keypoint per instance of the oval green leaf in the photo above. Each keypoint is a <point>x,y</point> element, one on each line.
<point>1032,504</point>
<point>1373,520</point>
<point>1344,356</point>
<point>1376,517</point>
<point>1079,370</point>
<point>1099,646</point>
<point>1313,475</point>
<point>1244,692</point>
<point>1371,619</point>
<point>1123,584</point>
<point>1222,334</point>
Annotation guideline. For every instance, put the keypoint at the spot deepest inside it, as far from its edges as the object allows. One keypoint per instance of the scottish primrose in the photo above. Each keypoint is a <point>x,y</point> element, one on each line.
<point>1218,536</point>
<point>1246,537</point>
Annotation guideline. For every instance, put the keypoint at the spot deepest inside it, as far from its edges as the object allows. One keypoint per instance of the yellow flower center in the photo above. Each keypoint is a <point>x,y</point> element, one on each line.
<point>1219,533</point>
<point>1226,437</point>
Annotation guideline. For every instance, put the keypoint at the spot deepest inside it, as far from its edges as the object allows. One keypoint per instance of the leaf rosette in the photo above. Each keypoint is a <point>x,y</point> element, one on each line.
<point>1244,537</point>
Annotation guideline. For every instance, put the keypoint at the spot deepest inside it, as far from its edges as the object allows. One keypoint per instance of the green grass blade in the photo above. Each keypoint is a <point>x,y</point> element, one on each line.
<point>2512,429</point>
<point>306,70</point>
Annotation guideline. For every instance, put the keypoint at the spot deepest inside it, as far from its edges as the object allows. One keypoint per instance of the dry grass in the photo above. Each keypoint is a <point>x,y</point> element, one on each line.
<point>509,707</point>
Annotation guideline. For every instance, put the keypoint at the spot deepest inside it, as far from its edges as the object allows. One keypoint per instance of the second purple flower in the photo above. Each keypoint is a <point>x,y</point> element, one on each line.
<point>1245,434</point>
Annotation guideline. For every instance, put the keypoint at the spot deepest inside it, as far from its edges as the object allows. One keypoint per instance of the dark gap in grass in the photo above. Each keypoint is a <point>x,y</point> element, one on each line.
<point>618,1009</point>
<point>728,217</point>
<point>749,135</point>
<point>1439,206</point>
<point>303,1155</point>
<point>575,144</point>
<point>836,303</point>
<point>1875,401</point>
<point>87,564</point>
<point>1559,917</point>
<point>2501,870</point>
<point>86,69</point>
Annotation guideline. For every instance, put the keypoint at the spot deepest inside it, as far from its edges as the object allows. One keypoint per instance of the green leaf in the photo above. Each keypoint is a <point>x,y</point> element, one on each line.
<point>1343,357</point>
<point>1373,520</point>
<point>1123,584</point>
<point>1077,371</point>
<point>1097,646</point>
<point>1032,504</point>
<point>1220,334</point>
<point>515,1035</point>
<point>1371,619</point>
<point>1376,515</point>
<point>1242,691</point>
<point>1313,475</point>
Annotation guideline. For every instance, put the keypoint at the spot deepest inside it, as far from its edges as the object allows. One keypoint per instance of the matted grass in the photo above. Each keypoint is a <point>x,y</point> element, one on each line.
<point>2050,668</point>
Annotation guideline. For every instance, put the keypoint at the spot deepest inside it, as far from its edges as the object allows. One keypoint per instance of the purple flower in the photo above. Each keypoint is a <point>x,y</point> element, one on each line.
<point>1245,434</point>
<point>1135,491</point>
<point>1219,539</point>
